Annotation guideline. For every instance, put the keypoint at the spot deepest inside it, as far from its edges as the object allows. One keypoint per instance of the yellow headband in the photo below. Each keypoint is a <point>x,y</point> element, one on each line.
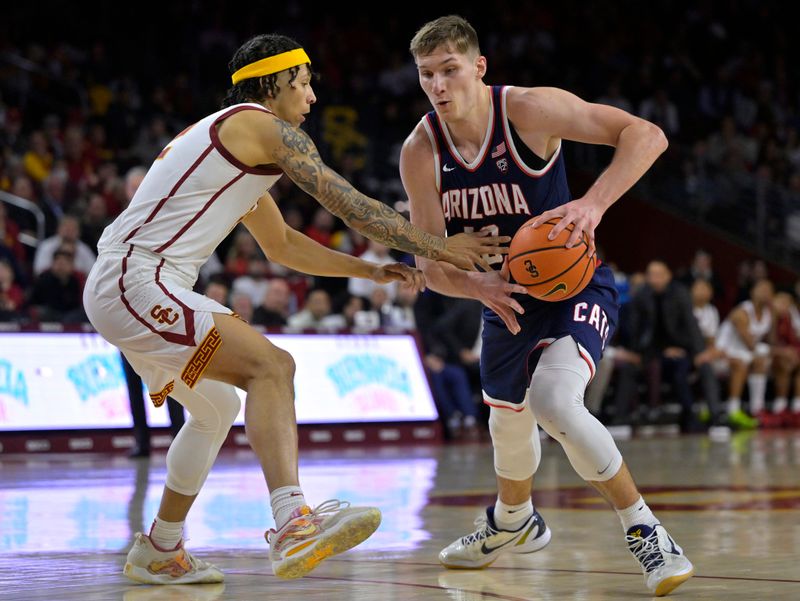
<point>272,64</point>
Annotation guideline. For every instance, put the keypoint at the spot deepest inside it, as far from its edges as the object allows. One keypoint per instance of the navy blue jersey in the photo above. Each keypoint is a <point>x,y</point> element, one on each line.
<point>498,192</point>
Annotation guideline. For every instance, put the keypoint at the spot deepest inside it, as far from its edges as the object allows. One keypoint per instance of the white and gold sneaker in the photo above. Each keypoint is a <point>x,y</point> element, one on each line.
<point>482,547</point>
<point>663,563</point>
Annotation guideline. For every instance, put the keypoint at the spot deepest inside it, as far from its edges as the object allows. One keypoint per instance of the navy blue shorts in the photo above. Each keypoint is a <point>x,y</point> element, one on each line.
<point>507,361</point>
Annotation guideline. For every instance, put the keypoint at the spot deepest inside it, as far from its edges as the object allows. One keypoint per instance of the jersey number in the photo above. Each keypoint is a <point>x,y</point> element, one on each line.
<point>494,231</point>
<point>168,147</point>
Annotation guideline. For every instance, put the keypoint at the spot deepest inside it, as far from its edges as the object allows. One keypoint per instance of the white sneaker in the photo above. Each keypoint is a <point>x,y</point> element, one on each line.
<point>149,565</point>
<point>312,535</point>
<point>664,565</point>
<point>482,547</point>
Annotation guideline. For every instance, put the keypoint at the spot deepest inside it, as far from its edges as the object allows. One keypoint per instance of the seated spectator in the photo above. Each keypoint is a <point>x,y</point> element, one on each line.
<point>11,295</point>
<point>242,305</point>
<point>69,232</point>
<point>743,338</point>
<point>243,251</point>
<point>401,314</point>
<point>218,290</point>
<point>707,318</point>
<point>786,364</point>
<point>375,253</point>
<point>317,307</point>
<point>9,238</point>
<point>274,309</point>
<point>95,219</point>
<point>38,160</point>
<point>57,292</point>
<point>702,268</point>
<point>321,227</point>
<point>664,333</point>
<point>349,316</point>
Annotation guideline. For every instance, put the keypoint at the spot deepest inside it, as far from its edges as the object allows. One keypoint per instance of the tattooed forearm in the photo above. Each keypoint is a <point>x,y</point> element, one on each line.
<point>300,160</point>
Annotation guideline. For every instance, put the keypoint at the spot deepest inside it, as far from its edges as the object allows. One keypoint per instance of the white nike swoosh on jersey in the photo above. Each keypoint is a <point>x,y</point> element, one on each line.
<point>446,170</point>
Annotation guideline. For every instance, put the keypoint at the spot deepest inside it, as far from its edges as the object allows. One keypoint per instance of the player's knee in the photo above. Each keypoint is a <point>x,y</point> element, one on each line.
<point>272,364</point>
<point>556,395</point>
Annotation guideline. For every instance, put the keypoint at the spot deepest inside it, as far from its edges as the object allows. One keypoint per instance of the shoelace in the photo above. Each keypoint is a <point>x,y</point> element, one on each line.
<point>329,506</point>
<point>646,550</point>
<point>483,532</point>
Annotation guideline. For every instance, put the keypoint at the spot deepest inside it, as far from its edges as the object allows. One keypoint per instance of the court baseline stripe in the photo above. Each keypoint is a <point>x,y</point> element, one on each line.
<point>611,572</point>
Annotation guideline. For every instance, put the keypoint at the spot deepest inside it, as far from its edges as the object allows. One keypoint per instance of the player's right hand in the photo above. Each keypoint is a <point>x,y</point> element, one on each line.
<point>468,250</point>
<point>494,290</point>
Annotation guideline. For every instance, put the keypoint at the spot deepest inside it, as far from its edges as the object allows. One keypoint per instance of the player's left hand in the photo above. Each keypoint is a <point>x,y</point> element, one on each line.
<point>582,212</point>
<point>399,272</point>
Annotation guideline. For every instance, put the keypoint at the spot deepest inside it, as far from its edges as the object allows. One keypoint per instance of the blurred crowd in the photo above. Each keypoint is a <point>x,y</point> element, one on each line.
<point>84,112</point>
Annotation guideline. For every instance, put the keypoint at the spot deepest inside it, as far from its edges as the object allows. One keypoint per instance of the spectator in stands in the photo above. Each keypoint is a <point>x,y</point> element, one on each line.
<point>56,294</point>
<point>274,309</point>
<point>660,110</point>
<point>9,240</point>
<point>375,253</point>
<point>664,333</point>
<point>449,328</point>
<point>95,219</point>
<point>401,314</point>
<point>786,364</point>
<point>710,357</point>
<point>702,268</point>
<point>38,160</point>
<point>11,295</point>
<point>743,338</point>
<point>349,310</point>
<point>317,307</point>
<point>321,227</point>
<point>218,289</point>
<point>242,253</point>
<point>69,231</point>
<point>242,305</point>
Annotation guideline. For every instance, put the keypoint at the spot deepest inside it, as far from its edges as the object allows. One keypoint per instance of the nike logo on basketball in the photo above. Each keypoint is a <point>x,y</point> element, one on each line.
<point>447,169</point>
<point>560,287</point>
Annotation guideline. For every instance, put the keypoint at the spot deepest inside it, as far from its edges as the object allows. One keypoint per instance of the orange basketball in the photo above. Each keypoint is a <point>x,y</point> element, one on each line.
<point>549,270</point>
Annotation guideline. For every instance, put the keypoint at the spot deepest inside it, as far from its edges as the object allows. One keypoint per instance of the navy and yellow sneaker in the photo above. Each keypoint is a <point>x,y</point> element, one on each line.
<point>663,563</point>
<point>482,547</point>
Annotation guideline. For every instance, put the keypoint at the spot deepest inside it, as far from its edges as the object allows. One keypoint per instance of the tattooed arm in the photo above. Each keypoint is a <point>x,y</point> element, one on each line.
<point>294,152</point>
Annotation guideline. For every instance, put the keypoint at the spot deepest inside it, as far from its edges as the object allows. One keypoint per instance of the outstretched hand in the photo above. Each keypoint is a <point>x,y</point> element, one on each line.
<point>399,272</point>
<point>468,250</point>
<point>583,213</point>
<point>494,290</point>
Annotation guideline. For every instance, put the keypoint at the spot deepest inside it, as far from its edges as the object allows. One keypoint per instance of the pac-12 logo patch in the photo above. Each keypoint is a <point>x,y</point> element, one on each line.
<point>502,165</point>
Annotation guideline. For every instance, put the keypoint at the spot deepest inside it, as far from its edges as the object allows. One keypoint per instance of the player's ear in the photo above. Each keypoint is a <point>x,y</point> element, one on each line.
<point>480,66</point>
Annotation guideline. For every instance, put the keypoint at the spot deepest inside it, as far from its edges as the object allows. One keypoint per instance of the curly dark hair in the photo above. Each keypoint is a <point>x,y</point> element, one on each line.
<point>257,89</point>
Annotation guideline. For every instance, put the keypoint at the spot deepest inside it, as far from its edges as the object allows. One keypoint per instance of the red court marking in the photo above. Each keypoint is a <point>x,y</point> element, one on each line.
<point>586,498</point>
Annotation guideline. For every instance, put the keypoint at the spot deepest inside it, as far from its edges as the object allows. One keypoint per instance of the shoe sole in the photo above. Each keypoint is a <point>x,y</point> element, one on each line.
<point>666,586</point>
<point>143,575</point>
<point>542,542</point>
<point>349,534</point>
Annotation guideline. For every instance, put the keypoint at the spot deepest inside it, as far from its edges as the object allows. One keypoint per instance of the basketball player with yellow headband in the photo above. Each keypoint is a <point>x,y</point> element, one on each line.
<point>139,296</point>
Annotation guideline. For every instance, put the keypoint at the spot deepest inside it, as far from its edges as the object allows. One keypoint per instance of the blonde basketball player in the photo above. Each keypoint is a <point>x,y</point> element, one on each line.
<point>489,158</point>
<point>139,297</point>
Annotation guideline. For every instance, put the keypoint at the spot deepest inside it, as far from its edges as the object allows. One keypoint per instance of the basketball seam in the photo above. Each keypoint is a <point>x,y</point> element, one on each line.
<point>578,260</point>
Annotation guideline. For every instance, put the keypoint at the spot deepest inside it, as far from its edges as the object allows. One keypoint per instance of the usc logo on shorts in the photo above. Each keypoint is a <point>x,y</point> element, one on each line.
<point>164,315</point>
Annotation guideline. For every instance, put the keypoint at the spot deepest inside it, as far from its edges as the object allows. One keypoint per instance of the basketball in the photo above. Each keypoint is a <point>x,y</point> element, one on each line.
<point>549,270</point>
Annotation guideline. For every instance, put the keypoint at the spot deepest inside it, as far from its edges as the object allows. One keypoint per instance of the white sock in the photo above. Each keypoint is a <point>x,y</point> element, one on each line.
<point>796,404</point>
<point>757,384</point>
<point>512,517</point>
<point>284,501</point>
<point>637,514</point>
<point>166,536</point>
<point>734,405</point>
<point>779,404</point>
